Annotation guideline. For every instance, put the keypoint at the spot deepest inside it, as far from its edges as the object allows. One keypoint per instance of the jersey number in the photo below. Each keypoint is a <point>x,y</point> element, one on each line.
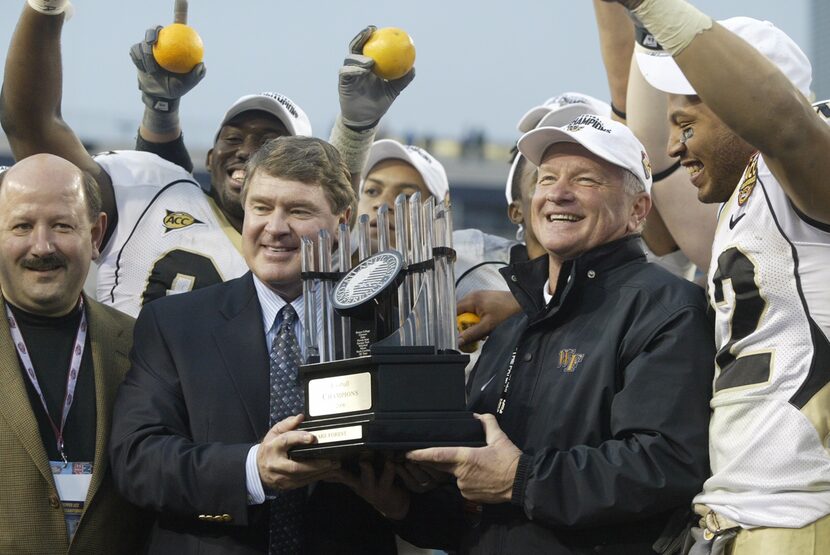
<point>735,266</point>
<point>178,272</point>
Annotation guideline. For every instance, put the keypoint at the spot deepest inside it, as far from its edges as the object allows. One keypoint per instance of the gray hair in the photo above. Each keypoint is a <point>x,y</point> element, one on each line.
<point>631,183</point>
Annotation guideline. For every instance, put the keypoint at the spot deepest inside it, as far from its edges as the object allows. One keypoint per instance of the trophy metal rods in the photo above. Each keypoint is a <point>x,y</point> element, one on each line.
<point>423,304</point>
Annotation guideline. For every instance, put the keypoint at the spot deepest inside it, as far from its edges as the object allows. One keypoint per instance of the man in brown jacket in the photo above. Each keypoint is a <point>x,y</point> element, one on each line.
<point>62,356</point>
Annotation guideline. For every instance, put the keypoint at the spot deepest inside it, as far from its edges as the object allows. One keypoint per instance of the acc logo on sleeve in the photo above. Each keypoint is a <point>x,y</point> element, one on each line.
<point>178,220</point>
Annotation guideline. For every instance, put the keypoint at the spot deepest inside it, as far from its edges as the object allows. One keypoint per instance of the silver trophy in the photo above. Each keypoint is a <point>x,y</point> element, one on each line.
<point>344,252</point>
<point>310,350</point>
<point>326,332</point>
<point>395,380</point>
<point>419,308</point>
<point>401,242</point>
<point>364,242</point>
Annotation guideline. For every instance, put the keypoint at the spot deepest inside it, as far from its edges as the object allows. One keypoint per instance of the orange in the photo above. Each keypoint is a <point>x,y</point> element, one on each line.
<point>464,321</point>
<point>393,52</point>
<point>178,48</point>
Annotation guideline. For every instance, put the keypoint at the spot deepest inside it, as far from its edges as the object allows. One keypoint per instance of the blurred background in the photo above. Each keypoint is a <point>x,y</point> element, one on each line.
<point>480,66</point>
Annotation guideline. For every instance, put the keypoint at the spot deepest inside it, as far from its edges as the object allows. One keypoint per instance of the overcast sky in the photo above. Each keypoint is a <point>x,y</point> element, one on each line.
<point>480,63</point>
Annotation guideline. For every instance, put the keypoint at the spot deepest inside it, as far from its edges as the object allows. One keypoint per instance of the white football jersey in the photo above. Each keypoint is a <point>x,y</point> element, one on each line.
<point>170,236</point>
<point>769,286</point>
<point>479,256</point>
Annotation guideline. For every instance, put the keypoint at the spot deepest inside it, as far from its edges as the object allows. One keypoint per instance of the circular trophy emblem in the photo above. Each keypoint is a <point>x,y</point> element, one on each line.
<point>367,280</point>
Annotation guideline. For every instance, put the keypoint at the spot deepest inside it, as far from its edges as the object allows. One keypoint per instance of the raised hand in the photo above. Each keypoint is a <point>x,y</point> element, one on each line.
<point>365,97</point>
<point>161,89</point>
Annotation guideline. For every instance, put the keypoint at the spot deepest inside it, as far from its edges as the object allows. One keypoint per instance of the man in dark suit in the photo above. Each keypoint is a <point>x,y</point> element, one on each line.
<point>191,437</point>
<point>62,356</point>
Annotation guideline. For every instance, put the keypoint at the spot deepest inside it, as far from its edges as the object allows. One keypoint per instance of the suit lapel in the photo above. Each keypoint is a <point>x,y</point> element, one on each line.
<point>110,344</point>
<point>14,402</point>
<point>241,341</point>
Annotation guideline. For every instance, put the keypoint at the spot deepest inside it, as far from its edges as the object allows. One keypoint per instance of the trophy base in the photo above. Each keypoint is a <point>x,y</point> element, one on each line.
<point>391,433</point>
<point>395,400</point>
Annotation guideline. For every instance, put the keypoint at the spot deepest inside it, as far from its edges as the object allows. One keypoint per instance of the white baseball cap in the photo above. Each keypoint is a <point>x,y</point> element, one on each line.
<point>511,175</point>
<point>610,140</point>
<point>431,170</point>
<point>559,110</point>
<point>281,107</point>
<point>663,73</point>
<point>554,112</point>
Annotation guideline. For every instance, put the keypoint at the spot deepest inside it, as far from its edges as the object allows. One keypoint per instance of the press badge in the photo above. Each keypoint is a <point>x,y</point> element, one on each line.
<point>72,481</point>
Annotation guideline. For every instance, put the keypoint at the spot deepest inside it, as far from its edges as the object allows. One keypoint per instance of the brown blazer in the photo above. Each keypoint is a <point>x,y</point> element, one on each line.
<point>31,518</point>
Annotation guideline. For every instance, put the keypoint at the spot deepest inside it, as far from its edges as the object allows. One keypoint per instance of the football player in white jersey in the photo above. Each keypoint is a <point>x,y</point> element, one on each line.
<point>164,234</point>
<point>741,125</point>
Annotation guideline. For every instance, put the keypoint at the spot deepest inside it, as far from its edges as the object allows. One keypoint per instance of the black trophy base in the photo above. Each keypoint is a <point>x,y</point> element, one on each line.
<point>390,403</point>
<point>392,434</point>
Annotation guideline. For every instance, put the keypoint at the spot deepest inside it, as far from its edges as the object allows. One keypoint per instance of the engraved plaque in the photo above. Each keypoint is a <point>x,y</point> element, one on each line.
<point>346,433</point>
<point>339,394</point>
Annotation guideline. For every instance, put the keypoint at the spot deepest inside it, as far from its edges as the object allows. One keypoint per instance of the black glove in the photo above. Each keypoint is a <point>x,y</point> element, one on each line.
<point>161,89</point>
<point>365,97</point>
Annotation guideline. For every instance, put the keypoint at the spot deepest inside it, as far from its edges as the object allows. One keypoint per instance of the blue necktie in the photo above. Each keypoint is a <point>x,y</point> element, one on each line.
<point>286,400</point>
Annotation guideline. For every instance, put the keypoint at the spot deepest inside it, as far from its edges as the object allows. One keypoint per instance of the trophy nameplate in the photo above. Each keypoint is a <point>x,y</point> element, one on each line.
<point>339,394</point>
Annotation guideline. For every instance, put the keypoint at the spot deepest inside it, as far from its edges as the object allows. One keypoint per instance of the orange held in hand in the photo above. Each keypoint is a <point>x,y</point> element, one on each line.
<point>178,48</point>
<point>393,52</point>
<point>464,321</point>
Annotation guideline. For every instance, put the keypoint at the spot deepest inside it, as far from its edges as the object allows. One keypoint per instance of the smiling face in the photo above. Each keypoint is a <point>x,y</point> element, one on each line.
<point>237,141</point>
<point>278,213</point>
<point>711,153</point>
<point>580,202</point>
<point>47,238</point>
<point>384,182</point>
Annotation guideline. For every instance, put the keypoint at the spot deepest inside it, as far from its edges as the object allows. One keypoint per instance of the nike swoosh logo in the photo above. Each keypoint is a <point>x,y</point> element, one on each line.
<point>733,221</point>
<point>483,387</point>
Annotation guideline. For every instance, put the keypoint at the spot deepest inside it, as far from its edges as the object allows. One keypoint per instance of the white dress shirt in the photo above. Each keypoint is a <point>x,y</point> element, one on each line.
<point>271,304</point>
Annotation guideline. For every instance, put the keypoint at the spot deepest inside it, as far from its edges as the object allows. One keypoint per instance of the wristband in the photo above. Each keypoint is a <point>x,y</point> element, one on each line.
<point>49,7</point>
<point>674,23</point>
<point>619,113</point>
<point>160,122</point>
<point>352,145</point>
<point>646,39</point>
<point>161,105</point>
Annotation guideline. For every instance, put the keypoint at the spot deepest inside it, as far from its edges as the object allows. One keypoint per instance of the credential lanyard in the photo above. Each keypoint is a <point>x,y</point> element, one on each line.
<point>71,376</point>
<point>506,388</point>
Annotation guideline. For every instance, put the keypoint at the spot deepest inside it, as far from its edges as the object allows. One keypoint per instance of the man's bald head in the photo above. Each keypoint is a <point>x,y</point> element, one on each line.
<point>48,168</point>
<point>51,228</point>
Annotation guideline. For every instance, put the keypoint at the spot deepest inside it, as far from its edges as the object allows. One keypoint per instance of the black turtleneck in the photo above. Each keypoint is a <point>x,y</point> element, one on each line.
<point>50,341</point>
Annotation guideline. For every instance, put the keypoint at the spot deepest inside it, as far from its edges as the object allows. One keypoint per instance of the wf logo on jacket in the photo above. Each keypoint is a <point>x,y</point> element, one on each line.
<point>569,359</point>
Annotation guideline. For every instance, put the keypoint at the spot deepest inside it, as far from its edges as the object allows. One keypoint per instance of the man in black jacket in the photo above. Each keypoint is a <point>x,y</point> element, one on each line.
<point>594,399</point>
